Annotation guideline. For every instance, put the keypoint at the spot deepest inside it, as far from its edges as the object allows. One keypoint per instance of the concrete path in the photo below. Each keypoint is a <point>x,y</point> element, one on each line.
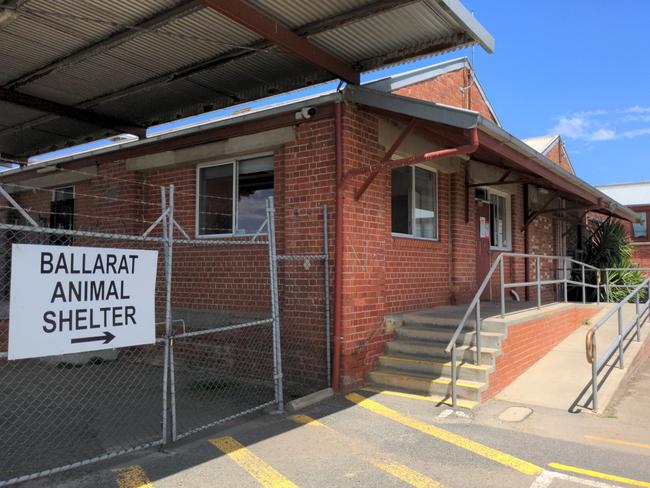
<point>562,378</point>
<point>365,439</point>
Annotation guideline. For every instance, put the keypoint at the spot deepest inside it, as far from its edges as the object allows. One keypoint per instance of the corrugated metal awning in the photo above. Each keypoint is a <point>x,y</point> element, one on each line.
<point>75,71</point>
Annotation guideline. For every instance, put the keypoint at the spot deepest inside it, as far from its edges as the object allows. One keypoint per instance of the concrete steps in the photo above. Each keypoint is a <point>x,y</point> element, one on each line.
<point>425,384</point>
<point>416,361</point>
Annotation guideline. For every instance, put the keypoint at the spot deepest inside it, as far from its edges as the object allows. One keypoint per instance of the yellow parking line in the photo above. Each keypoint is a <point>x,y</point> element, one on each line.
<point>132,477</point>
<point>406,474</point>
<point>468,444</point>
<point>393,468</point>
<point>258,469</point>
<point>306,420</point>
<point>437,400</point>
<point>617,441</point>
<point>597,474</point>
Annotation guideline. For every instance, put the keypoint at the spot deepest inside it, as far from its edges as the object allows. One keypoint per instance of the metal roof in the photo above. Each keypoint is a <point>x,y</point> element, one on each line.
<point>628,193</point>
<point>75,71</point>
<point>542,144</point>
<point>432,112</point>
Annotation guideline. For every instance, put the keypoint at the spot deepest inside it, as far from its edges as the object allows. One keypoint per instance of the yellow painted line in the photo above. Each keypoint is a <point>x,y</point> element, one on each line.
<point>258,469</point>
<point>393,468</point>
<point>306,420</point>
<point>617,441</point>
<point>406,474</point>
<point>597,474</point>
<point>132,477</point>
<point>446,436</point>
<point>432,399</point>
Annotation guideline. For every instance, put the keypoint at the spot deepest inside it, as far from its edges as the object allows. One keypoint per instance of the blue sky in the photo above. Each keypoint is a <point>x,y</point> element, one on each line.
<point>575,67</point>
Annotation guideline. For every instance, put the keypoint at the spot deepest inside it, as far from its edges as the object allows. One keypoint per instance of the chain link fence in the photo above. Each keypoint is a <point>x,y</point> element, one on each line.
<point>221,308</point>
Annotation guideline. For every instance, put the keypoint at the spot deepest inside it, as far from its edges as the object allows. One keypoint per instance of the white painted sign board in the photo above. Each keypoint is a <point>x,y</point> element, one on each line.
<point>70,299</point>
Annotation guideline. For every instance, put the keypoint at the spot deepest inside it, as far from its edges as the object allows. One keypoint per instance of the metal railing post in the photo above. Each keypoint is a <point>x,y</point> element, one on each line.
<point>538,273</point>
<point>598,287</point>
<point>584,287</point>
<point>453,377</point>
<point>326,291</point>
<point>594,377</point>
<point>477,328</point>
<point>638,321</point>
<point>607,299</point>
<point>566,280</point>
<point>502,285</point>
<point>620,338</point>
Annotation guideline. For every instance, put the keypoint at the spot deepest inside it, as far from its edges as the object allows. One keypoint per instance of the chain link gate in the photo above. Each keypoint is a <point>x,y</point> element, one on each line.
<point>208,365</point>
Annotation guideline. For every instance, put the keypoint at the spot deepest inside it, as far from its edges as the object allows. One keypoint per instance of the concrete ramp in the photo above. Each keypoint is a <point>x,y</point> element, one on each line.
<point>562,378</point>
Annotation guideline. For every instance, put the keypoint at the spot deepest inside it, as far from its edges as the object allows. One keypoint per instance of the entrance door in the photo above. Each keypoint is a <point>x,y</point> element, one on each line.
<point>483,244</point>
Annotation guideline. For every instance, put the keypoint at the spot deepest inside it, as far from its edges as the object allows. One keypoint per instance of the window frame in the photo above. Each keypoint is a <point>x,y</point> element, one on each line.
<point>59,188</point>
<point>508,220</point>
<point>412,206</point>
<point>647,236</point>
<point>235,185</point>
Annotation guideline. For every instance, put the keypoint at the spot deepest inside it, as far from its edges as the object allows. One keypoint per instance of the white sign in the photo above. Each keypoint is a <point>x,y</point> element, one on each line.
<point>68,299</point>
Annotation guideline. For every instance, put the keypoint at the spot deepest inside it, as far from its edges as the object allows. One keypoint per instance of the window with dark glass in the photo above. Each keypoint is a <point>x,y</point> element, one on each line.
<point>414,202</point>
<point>640,228</point>
<point>219,211</point>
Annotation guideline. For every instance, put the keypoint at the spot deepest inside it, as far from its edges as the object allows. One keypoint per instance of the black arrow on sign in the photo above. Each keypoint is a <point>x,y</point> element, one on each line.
<point>107,337</point>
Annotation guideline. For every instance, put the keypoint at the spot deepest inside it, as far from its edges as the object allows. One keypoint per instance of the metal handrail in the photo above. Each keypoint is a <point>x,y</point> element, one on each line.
<point>475,304</point>
<point>623,330</point>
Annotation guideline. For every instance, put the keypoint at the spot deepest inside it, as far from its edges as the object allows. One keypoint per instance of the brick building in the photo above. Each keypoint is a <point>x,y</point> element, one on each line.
<point>637,197</point>
<point>424,186</point>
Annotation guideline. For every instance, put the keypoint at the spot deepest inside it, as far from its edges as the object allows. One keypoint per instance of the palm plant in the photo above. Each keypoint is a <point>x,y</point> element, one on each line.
<point>609,247</point>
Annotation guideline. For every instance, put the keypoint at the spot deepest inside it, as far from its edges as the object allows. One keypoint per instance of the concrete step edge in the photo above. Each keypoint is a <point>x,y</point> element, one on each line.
<point>414,359</point>
<point>442,380</point>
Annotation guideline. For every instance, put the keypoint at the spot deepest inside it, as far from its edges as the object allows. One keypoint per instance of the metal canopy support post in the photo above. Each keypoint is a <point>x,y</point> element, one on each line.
<point>163,217</point>
<point>275,305</point>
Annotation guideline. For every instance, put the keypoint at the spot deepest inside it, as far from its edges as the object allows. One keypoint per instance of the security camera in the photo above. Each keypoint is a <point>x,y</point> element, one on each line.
<point>306,113</point>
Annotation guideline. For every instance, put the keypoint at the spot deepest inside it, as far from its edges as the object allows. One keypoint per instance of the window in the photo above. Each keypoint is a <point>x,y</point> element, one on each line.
<point>62,214</point>
<point>414,202</point>
<point>500,221</point>
<point>219,212</point>
<point>641,228</point>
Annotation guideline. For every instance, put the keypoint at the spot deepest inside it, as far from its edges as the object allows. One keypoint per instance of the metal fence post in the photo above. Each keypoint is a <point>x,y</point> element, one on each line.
<point>275,305</point>
<point>165,399</point>
<point>538,273</point>
<point>326,291</point>
<point>168,311</point>
<point>620,338</point>
<point>598,287</point>
<point>607,286</point>
<point>502,284</point>
<point>453,377</point>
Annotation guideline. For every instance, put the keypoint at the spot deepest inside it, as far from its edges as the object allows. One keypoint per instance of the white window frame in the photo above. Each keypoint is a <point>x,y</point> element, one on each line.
<point>412,207</point>
<point>235,183</point>
<point>508,220</point>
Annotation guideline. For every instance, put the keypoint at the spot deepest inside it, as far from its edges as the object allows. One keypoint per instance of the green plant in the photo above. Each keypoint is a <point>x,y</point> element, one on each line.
<point>609,247</point>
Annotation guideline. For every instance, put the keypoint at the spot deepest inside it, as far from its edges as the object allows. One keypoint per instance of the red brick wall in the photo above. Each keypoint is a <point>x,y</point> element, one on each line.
<point>446,89</point>
<point>558,155</point>
<point>528,342</point>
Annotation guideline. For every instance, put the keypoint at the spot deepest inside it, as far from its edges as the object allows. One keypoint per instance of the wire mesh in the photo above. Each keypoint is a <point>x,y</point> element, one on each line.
<point>222,348</point>
<point>59,411</point>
